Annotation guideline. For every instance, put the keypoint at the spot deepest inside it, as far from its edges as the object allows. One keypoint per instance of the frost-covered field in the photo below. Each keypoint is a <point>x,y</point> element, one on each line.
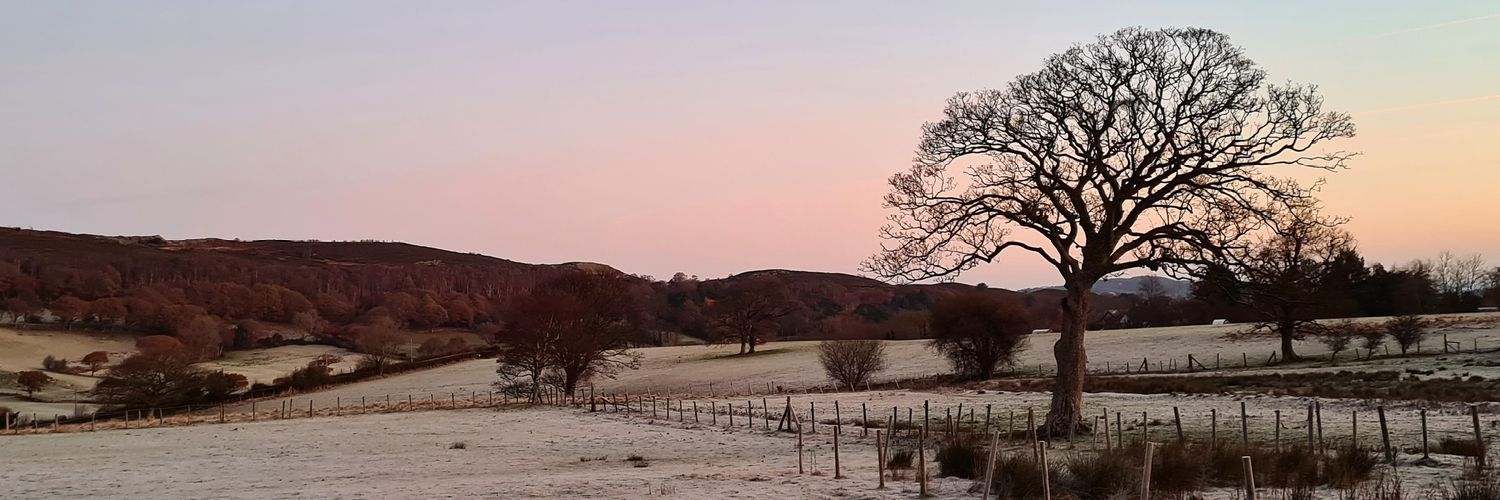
<point>571,453</point>
<point>794,365</point>
<point>538,453</point>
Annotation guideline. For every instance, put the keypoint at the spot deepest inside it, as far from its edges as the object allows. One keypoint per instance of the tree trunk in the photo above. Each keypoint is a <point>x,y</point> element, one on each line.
<point>752,343</point>
<point>1066,414</point>
<point>1287,330</point>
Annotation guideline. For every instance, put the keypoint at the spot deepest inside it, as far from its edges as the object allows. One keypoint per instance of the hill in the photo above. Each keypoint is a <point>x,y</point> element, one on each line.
<point>150,284</point>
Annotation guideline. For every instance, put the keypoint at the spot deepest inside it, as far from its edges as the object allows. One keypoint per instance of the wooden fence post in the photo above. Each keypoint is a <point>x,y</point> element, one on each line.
<point>1425,456</point>
<point>799,444</point>
<point>1177,421</point>
<point>1278,431</point>
<point>922,460</point>
<point>1354,429</point>
<point>1213,428</point>
<point>865,416</point>
<point>1385,436</point>
<point>1244,426</point>
<point>1047,472</point>
<point>987,408</point>
<point>1478,437</point>
<point>879,460</point>
<point>837,429</point>
<point>1318,413</point>
<point>1249,477</point>
<point>1310,443</point>
<point>989,468</point>
<point>1108,444</point>
<point>1146,472</point>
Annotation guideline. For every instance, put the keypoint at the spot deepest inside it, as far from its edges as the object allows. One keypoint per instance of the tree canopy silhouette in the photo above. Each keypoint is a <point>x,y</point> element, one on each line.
<point>1144,149</point>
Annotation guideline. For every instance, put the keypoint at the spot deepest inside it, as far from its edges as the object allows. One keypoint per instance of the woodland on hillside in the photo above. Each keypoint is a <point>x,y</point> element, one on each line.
<point>217,295</point>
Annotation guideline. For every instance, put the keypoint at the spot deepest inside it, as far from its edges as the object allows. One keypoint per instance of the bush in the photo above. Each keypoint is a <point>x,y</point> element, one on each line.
<point>1482,486</point>
<point>958,460</point>
<point>1349,467</point>
<point>1337,337</point>
<point>1406,330</point>
<point>1179,470</point>
<point>851,362</point>
<point>315,374</point>
<point>901,459</point>
<point>1100,476</point>
<point>1017,478</point>
<point>979,332</point>
<point>52,364</point>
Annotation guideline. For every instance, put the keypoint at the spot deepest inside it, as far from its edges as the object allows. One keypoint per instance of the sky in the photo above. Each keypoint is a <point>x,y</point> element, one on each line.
<point>704,137</point>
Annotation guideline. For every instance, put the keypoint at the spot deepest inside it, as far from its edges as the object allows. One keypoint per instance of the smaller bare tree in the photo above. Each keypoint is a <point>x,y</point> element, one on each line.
<point>851,362</point>
<point>1337,337</point>
<point>1373,337</point>
<point>978,332</point>
<point>1407,330</point>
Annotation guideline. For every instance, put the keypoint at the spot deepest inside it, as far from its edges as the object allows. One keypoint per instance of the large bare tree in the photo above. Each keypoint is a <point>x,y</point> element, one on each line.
<point>1143,149</point>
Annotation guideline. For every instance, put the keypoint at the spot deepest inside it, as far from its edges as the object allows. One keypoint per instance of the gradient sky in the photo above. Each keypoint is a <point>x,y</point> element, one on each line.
<point>705,137</point>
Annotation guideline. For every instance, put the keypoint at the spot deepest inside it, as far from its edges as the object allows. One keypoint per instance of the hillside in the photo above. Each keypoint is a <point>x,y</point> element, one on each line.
<point>148,284</point>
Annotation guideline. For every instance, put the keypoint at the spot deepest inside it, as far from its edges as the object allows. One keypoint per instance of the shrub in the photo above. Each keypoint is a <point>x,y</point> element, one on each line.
<point>901,459</point>
<point>1291,468</point>
<point>1406,330</point>
<point>53,364</point>
<point>33,381</point>
<point>1483,486</point>
<point>1337,337</point>
<point>315,374</point>
<point>1100,476</point>
<point>851,362</point>
<point>458,445</point>
<point>1349,467</point>
<point>1017,478</point>
<point>1178,470</point>
<point>958,460</point>
<point>978,332</point>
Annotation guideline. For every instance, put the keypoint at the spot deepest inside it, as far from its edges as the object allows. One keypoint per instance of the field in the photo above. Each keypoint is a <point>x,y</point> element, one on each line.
<point>23,350</point>
<point>553,452</point>
<point>793,366</point>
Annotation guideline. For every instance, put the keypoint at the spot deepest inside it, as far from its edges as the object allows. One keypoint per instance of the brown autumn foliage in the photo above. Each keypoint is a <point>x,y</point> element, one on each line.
<point>163,378</point>
<point>33,381</point>
<point>96,360</point>
<point>158,343</point>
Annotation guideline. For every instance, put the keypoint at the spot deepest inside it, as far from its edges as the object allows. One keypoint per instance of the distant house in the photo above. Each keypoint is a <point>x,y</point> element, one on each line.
<point>1488,309</point>
<point>1218,322</point>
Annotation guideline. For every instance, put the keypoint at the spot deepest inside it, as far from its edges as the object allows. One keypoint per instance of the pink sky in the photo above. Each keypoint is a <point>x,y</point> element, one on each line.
<point>658,137</point>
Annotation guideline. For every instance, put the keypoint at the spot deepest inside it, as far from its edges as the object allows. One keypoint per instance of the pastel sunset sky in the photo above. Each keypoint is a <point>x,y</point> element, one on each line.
<point>704,137</point>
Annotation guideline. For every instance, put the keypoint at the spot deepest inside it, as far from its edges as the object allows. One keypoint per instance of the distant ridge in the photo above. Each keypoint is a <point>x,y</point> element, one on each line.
<point>1170,287</point>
